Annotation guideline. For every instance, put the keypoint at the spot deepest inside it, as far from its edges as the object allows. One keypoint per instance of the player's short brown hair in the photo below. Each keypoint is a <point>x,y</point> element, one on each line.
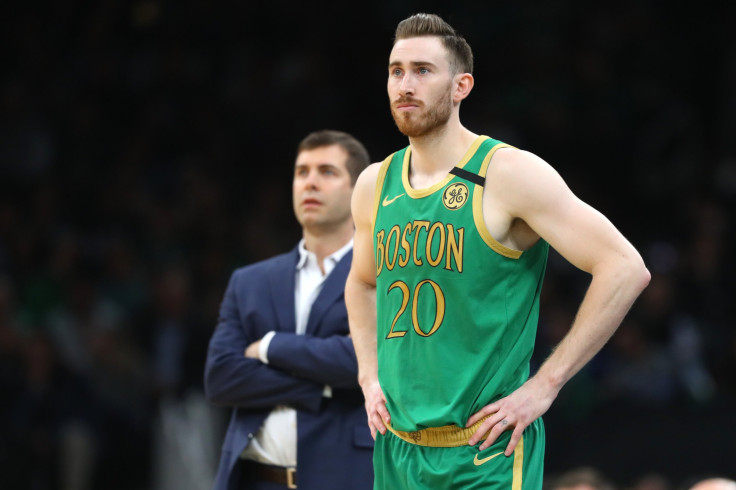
<point>458,49</point>
<point>358,158</point>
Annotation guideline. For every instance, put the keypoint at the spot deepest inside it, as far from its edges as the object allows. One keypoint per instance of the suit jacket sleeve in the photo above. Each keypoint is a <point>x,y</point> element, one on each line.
<point>231,379</point>
<point>329,361</point>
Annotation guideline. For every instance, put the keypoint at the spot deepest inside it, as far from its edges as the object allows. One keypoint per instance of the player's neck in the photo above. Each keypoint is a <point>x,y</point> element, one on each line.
<point>433,155</point>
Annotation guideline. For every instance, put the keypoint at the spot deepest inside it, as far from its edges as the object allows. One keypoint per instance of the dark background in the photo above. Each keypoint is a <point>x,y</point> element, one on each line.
<point>146,149</point>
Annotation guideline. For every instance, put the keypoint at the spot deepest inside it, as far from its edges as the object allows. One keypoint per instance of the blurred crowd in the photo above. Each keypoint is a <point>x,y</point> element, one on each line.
<point>146,150</point>
<point>589,478</point>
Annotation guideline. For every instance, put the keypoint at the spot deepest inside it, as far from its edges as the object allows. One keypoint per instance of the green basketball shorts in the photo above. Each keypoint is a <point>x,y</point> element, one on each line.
<point>421,461</point>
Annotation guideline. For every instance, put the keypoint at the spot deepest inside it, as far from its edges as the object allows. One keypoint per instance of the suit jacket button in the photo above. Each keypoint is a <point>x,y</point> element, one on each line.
<point>250,436</point>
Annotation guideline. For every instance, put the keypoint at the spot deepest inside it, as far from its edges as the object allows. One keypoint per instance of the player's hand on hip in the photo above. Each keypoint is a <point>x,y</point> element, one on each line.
<point>514,412</point>
<point>375,407</point>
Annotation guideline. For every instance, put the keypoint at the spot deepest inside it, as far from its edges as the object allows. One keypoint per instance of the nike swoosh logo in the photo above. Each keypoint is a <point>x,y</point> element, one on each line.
<point>387,201</point>
<point>478,462</point>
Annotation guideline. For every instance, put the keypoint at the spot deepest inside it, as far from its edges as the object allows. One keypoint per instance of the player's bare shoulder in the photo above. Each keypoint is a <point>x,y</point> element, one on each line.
<point>518,178</point>
<point>512,165</point>
<point>364,193</point>
<point>369,174</point>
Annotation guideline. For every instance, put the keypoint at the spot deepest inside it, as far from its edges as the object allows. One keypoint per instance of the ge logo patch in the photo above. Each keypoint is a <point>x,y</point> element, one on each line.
<point>455,196</point>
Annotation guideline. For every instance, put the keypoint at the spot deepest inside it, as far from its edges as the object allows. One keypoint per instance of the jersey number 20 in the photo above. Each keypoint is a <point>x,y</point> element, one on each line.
<point>406,295</point>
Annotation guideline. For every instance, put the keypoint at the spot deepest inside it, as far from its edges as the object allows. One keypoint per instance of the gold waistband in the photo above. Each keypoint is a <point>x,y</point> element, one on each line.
<point>445,436</point>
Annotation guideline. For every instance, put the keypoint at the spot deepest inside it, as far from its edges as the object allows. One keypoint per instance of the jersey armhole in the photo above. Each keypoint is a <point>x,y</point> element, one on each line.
<point>480,223</point>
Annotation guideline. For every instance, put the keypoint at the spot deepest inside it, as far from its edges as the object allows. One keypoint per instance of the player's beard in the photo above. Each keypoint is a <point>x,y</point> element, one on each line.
<point>416,125</point>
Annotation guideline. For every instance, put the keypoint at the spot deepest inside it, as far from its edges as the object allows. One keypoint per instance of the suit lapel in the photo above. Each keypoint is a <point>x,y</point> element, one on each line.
<point>333,290</point>
<point>281,282</point>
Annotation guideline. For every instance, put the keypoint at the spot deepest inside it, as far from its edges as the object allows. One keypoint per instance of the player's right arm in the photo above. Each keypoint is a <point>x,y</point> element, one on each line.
<point>360,298</point>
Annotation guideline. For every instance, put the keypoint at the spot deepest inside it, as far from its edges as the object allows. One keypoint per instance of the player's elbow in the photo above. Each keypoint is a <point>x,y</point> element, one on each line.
<point>637,274</point>
<point>644,277</point>
<point>626,272</point>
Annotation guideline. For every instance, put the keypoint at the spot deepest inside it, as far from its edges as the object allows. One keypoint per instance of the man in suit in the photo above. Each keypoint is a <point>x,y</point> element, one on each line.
<point>281,355</point>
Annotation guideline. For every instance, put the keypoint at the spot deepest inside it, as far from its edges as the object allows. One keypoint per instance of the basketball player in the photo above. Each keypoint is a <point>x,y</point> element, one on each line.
<point>452,235</point>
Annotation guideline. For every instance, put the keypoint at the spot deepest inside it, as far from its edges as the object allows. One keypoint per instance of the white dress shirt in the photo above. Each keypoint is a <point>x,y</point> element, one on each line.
<point>275,442</point>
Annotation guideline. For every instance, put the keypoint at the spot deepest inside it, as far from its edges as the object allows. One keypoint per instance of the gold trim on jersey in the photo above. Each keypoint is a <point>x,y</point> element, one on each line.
<point>418,193</point>
<point>480,223</point>
<point>379,189</point>
<point>445,436</point>
<point>518,465</point>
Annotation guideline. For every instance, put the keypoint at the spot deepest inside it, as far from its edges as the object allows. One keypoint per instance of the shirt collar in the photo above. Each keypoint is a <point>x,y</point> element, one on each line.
<point>334,257</point>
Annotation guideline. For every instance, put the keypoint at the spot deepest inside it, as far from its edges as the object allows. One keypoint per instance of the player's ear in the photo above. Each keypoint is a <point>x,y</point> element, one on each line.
<point>463,85</point>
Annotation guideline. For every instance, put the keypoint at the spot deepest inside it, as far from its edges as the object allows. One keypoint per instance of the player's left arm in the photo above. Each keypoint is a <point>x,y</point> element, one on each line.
<point>525,187</point>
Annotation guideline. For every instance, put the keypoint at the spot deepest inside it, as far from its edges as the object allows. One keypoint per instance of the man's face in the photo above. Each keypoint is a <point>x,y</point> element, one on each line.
<point>420,85</point>
<point>322,188</point>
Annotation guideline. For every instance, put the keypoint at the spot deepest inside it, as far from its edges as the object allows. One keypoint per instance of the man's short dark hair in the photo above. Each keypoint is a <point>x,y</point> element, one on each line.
<point>358,158</point>
<point>419,25</point>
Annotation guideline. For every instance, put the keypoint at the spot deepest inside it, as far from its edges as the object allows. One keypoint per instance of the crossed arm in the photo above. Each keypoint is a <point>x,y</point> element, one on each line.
<point>524,199</point>
<point>299,365</point>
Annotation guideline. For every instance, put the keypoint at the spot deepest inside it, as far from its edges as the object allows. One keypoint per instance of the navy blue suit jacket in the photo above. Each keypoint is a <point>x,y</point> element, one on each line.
<point>334,445</point>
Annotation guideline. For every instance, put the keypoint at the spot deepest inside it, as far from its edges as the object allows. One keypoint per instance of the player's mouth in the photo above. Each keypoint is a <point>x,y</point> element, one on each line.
<point>406,104</point>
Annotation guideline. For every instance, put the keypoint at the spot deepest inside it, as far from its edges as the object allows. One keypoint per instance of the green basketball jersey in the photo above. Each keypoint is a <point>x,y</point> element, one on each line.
<point>457,310</point>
